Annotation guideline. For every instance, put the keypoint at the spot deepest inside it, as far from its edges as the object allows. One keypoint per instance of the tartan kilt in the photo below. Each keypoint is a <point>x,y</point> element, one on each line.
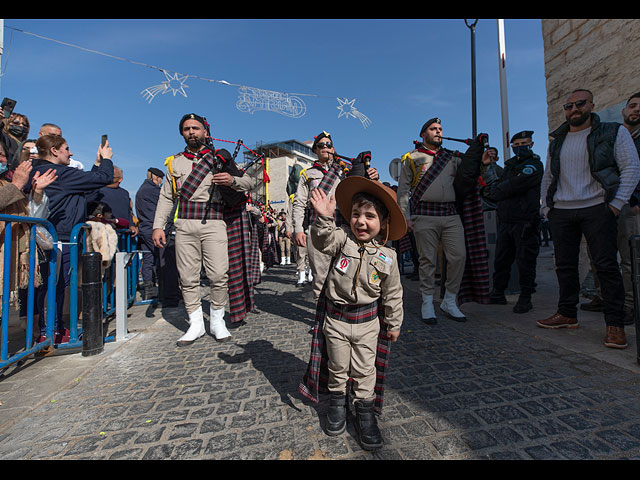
<point>315,379</point>
<point>241,270</point>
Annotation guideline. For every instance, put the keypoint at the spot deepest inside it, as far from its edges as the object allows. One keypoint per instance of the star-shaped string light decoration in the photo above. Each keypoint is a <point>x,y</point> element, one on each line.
<point>173,83</point>
<point>352,112</point>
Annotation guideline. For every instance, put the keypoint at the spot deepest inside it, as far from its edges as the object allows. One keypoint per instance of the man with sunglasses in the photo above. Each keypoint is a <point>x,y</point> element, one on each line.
<point>592,169</point>
<point>326,174</point>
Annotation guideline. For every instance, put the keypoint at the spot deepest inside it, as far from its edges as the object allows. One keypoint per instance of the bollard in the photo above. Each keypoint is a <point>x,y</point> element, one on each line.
<point>92,336</point>
<point>634,248</point>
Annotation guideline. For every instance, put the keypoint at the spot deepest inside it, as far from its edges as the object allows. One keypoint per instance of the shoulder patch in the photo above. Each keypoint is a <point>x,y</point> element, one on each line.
<point>529,169</point>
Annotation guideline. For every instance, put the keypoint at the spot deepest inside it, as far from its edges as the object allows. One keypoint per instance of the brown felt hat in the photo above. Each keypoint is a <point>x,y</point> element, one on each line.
<point>348,187</point>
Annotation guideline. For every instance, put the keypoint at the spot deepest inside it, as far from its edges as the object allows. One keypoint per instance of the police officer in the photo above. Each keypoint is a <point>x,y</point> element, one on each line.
<point>201,232</point>
<point>517,195</point>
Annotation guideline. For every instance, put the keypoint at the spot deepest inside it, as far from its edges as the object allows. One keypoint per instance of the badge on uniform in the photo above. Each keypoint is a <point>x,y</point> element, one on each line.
<point>386,259</point>
<point>343,264</point>
<point>375,277</point>
<point>528,169</point>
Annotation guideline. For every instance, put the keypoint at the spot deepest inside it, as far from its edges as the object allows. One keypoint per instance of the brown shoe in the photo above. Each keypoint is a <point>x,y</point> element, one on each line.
<point>558,321</point>
<point>615,337</point>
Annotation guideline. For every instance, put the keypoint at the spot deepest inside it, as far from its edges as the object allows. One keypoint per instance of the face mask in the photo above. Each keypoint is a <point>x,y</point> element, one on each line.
<point>521,150</point>
<point>18,130</point>
<point>3,168</point>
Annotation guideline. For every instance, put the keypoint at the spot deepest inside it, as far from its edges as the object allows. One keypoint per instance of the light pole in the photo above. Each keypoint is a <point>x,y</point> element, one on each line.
<point>472,28</point>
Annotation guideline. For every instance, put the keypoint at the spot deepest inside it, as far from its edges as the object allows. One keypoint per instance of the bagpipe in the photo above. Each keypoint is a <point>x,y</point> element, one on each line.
<point>356,166</point>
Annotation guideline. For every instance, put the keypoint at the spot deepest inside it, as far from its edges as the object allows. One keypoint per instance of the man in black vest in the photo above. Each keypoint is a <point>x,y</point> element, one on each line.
<point>592,169</point>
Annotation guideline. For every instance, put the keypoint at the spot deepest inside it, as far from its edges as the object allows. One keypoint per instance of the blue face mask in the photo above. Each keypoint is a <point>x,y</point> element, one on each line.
<point>3,168</point>
<point>521,150</point>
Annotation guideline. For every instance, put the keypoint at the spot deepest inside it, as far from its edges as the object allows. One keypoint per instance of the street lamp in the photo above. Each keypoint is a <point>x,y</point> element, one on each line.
<point>472,28</point>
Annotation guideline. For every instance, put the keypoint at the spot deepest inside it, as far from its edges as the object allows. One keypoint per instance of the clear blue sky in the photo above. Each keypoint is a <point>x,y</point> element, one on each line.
<point>400,73</point>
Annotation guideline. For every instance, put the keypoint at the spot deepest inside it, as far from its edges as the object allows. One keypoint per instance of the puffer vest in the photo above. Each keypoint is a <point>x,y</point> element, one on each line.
<point>600,144</point>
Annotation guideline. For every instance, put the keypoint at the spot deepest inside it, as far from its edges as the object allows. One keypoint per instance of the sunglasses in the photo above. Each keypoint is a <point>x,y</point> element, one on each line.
<point>324,145</point>
<point>578,104</point>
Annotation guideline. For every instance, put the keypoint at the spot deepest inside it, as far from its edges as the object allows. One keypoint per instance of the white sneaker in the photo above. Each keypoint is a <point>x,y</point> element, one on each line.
<point>450,307</point>
<point>195,331</point>
<point>427,310</point>
<point>301,279</point>
<point>309,276</point>
<point>282,260</point>
<point>217,326</point>
<point>288,261</point>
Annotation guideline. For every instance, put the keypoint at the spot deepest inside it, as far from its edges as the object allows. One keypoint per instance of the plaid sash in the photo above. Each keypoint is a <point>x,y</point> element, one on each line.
<point>242,269</point>
<point>315,380</point>
<point>327,182</point>
<point>440,160</point>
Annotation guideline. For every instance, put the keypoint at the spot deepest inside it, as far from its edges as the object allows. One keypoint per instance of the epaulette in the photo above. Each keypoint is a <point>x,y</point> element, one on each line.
<point>304,173</point>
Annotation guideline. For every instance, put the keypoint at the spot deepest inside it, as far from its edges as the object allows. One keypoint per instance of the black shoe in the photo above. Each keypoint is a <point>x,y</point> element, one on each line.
<point>337,414</point>
<point>367,426</point>
<point>523,305</point>
<point>595,305</point>
<point>629,317</point>
<point>430,321</point>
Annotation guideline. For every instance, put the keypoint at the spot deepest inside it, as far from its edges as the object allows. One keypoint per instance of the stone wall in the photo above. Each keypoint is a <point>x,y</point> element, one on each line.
<point>596,54</point>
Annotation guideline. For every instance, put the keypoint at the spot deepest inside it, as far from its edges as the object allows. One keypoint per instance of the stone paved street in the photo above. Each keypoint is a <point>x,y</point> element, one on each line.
<point>495,387</point>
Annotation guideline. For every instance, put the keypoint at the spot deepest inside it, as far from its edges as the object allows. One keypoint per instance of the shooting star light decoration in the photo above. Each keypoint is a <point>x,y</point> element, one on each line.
<point>173,83</point>
<point>352,112</point>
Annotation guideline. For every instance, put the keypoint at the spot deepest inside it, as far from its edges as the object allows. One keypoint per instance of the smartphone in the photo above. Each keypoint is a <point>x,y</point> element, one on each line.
<point>104,140</point>
<point>7,106</point>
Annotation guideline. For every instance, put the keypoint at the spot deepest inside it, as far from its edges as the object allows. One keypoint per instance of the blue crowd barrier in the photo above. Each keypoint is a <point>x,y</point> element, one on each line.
<point>30,348</point>
<point>78,246</point>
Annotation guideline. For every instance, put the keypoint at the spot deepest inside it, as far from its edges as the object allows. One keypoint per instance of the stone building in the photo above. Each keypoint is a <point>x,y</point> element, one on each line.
<point>596,54</point>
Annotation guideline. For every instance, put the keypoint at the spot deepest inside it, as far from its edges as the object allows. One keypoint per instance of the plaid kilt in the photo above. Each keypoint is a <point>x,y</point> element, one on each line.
<point>316,378</point>
<point>269,249</point>
<point>475,279</point>
<point>404,244</point>
<point>241,267</point>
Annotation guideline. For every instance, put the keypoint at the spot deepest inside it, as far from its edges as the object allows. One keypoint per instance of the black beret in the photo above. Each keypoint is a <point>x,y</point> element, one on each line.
<point>192,116</point>
<point>319,137</point>
<point>429,122</point>
<point>156,171</point>
<point>523,134</point>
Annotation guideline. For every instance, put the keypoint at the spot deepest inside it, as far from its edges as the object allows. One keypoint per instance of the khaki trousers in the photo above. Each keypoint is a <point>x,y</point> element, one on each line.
<point>285,246</point>
<point>198,245</point>
<point>302,259</point>
<point>351,348</point>
<point>319,263</point>
<point>429,232</point>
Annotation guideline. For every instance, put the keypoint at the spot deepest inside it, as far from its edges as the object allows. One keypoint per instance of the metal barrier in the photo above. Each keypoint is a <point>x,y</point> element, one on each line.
<point>117,296</point>
<point>29,348</point>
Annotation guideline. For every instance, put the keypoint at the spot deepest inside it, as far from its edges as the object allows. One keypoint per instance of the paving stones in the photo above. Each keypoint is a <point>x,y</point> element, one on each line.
<point>455,391</point>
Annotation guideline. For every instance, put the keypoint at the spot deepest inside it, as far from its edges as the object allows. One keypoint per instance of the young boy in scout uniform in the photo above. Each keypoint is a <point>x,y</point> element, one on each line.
<point>361,300</point>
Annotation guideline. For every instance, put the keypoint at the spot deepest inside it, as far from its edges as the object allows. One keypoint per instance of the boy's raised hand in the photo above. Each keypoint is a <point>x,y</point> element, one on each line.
<point>323,205</point>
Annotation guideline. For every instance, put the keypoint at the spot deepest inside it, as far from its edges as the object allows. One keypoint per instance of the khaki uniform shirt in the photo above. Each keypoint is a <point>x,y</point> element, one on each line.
<point>181,167</point>
<point>417,163</point>
<point>309,180</point>
<point>378,278</point>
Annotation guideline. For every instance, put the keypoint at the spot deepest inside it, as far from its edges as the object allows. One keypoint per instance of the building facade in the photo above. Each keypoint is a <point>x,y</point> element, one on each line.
<point>596,54</point>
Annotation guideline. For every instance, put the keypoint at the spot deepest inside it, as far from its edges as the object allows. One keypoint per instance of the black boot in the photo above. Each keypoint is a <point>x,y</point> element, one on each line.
<point>523,305</point>
<point>337,414</point>
<point>367,425</point>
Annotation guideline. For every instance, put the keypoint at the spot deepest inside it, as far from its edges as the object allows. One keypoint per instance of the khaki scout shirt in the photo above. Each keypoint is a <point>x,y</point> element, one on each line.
<point>379,276</point>
<point>417,163</point>
<point>308,181</point>
<point>181,167</point>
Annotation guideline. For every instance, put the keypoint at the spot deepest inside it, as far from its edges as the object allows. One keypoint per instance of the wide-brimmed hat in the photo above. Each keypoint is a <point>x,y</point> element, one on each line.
<point>347,188</point>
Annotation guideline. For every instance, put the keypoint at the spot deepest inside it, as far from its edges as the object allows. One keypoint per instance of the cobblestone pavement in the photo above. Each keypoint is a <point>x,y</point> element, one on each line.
<point>484,389</point>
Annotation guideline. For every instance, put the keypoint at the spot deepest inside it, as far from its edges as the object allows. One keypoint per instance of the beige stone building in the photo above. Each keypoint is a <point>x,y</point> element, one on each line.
<point>596,54</point>
<point>280,160</point>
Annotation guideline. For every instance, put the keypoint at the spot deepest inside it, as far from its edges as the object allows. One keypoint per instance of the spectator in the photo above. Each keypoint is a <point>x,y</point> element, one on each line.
<point>50,129</point>
<point>146,202</point>
<point>117,198</point>
<point>13,201</point>
<point>516,193</point>
<point>15,131</point>
<point>68,207</point>
<point>29,150</point>
<point>592,169</point>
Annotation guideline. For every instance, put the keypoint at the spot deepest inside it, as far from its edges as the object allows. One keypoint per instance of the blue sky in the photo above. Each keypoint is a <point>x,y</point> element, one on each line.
<point>400,72</point>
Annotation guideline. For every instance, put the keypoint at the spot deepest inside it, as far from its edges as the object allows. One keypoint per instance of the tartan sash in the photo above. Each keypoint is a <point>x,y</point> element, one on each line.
<point>316,378</point>
<point>326,184</point>
<point>440,160</point>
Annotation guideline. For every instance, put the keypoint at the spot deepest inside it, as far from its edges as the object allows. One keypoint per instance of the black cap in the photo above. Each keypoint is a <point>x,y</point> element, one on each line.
<point>523,134</point>
<point>319,137</point>
<point>193,116</point>
<point>156,171</point>
<point>429,122</point>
